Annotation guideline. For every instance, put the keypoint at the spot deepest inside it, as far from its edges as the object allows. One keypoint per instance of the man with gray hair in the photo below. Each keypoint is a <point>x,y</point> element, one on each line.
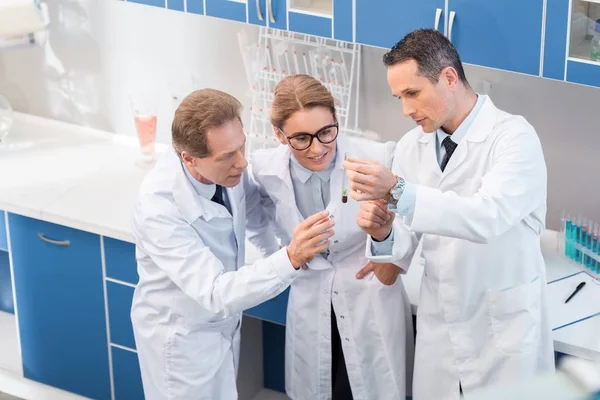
<point>189,225</point>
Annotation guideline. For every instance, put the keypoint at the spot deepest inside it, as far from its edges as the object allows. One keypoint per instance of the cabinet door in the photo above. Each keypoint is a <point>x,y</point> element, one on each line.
<point>120,298</point>
<point>257,12</point>
<point>3,240</point>
<point>276,14</point>
<point>273,310</point>
<point>127,376</point>
<point>342,20</point>
<point>555,40</point>
<point>503,34</point>
<point>156,3</point>
<point>234,10</point>
<point>6,292</point>
<point>60,302</point>
<point>312,17</point>
<point>583,65</point>
<point>120,260</point>
<point>383,23</point>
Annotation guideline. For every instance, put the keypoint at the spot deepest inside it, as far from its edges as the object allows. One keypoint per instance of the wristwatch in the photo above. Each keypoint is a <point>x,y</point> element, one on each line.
<point>395,193</point>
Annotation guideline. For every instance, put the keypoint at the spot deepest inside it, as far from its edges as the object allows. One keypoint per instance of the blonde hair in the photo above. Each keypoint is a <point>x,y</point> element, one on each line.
<point>299,92</point>
<point>201,111</point>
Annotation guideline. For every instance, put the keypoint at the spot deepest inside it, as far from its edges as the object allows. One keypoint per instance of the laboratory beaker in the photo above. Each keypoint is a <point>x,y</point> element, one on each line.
<point>144,107</point>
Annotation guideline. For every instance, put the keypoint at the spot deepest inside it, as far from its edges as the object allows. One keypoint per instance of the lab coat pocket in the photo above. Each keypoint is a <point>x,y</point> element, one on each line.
<point>515,317</point>
<point>194,362</point>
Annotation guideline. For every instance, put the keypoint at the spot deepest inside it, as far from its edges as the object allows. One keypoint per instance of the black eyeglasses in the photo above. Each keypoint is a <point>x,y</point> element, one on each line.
<point>302,140</point>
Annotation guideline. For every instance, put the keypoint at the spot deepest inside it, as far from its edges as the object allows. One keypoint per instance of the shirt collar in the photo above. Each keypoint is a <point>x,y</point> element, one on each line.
<point>463,128</point>
<point>202,189</point>
<point>303,174</point>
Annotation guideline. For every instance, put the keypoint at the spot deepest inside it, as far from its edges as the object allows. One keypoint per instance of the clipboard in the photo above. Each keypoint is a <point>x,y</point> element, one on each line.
<point>584,305</point>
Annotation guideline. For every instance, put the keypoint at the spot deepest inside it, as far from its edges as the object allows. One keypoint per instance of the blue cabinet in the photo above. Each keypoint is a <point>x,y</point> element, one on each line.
<point>503,34</point>
<point>568,44</point>
<point>273,310</point>
<point>257,12</point>
<point>120,260</point>
<point>3,233</point>
<point>6,292</point>
<point>60,300</point>
<point>156,3</point>
<point>195,6</point>
<point>382,23</point>
<point>234,10</point>
<point>119,311</point>
<point>555,41</point>
<point>127,376</point>
<point>277,14</point>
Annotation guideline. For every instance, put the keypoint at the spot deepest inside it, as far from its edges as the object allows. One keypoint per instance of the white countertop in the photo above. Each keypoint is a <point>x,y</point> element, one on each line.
<point>88,179</point>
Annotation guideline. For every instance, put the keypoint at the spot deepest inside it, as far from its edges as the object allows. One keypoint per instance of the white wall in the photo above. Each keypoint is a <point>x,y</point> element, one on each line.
<point>100,50</point>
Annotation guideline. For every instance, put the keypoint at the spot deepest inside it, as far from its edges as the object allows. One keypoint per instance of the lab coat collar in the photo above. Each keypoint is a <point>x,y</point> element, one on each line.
<point>304,173</point>
<point>480,128</point>
<point>191,204</point>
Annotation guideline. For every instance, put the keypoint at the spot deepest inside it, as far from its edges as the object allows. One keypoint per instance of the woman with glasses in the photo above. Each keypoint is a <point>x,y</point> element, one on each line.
<point>345,337</point>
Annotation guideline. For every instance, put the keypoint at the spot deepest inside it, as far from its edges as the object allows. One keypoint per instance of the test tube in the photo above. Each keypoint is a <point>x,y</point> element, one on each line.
<point>577,238</point>
<point>345,184</point>
<point>569,237</point>
<point>584,241</point>
<point>595,249</point>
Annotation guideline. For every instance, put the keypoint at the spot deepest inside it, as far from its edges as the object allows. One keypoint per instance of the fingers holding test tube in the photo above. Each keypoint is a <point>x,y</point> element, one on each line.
<point>369,180</point>
<point>310,238</point>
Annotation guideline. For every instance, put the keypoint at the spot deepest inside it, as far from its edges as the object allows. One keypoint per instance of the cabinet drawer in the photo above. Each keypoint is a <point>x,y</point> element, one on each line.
<point>127,376</point>
<point>273,310</point>
<point>62,321</point>
<point>3,240</point>
<point>119,309</point>
<point>6,292</point>
<point>120,260</point>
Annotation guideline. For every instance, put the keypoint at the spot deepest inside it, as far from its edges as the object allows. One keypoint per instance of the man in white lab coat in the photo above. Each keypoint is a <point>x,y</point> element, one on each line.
<point>470,183</point>
<point>189,226</point>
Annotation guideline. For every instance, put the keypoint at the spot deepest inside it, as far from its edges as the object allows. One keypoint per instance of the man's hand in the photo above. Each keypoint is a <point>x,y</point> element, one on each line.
<point>369,180</point>
<point>375,219</point>
<point>386,273</point>
<point>310,238</point>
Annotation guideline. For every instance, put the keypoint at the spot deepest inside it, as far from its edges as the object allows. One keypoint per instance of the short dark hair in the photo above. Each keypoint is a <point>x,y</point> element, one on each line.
<point>431,50</point>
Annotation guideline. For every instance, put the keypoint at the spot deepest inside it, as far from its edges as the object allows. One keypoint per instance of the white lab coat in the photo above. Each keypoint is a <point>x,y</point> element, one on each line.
<point>482,316</point>
<point>187,305</point>
<point>374,320</point>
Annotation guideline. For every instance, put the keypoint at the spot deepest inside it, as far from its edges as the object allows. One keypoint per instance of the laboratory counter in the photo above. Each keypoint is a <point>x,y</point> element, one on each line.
<point>62,180</point>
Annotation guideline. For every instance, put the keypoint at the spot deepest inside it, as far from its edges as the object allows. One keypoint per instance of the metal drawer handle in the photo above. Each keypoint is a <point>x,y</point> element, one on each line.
<point>451,25</point>
<point>258,13</point>
<point>438,14</point>
<point>270,11</point>
<point>56,242</point>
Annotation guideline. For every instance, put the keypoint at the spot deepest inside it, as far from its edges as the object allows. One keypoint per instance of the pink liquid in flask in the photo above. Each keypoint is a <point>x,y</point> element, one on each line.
<point>146,131</point>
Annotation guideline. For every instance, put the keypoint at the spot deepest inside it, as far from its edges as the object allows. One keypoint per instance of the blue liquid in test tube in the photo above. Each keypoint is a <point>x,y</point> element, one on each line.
<point>585,238</point>
<point>596,249</point>
<point>577,238</point>
<point>568,237</point>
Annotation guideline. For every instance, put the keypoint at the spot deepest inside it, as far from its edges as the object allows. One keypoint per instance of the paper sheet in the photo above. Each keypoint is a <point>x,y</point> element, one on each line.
<point>584,304</point>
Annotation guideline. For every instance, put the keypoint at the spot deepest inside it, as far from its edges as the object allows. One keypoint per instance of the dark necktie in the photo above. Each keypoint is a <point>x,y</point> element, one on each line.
<point>450,147</point>
<point>218,197</point>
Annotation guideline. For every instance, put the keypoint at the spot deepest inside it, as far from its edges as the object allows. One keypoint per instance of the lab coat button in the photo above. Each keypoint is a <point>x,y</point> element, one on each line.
<point>347,340</point>
<point>342,317</point>
<point>335,242</point>
<point>335,292</point>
